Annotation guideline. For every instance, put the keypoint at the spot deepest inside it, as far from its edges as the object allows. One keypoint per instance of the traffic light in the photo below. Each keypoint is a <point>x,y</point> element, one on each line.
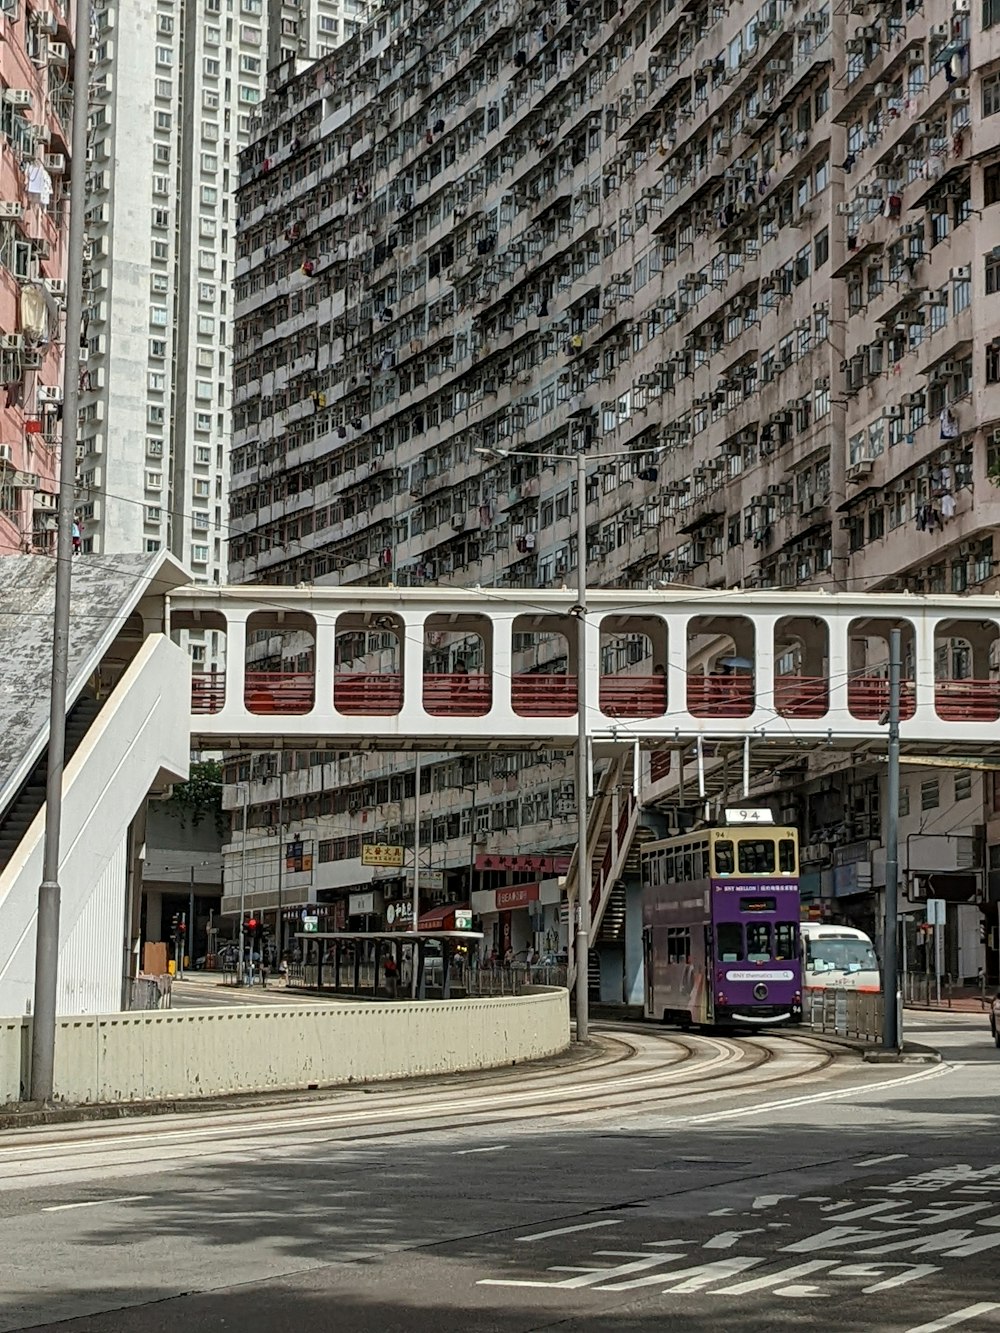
<point>182,927</point>
<point>252,925</point>
<point>174,924</point>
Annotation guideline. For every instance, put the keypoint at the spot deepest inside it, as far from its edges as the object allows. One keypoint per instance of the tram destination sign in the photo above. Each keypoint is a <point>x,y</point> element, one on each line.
<point>749,815</point>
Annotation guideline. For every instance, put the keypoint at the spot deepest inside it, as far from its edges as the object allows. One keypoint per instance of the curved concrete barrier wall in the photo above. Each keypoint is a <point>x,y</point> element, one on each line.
<point>197,1053</point>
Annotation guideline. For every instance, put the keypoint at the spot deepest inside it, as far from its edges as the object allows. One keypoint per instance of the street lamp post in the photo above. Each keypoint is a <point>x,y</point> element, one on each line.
<point>583,885</point>
<point>582,780</point>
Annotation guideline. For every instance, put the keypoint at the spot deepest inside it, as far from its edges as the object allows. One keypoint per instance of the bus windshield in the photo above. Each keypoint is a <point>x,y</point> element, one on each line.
<point>830,954</point>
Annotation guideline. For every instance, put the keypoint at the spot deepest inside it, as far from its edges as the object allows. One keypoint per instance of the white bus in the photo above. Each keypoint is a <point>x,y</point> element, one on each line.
<point>837,958</point>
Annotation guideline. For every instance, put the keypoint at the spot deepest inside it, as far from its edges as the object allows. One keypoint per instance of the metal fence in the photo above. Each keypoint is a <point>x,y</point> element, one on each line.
<point>462,980</point>
<point>512,980</point>
<point>147,992</point>
<point>925,990</point>
<point>847,1013</point>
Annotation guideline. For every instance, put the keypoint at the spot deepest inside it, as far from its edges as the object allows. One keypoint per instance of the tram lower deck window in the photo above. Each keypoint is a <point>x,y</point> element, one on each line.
<point>729,942</point>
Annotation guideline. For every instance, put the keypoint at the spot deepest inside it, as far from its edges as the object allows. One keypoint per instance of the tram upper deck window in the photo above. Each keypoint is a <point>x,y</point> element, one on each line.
<point>724,860</point>
<point>756,856</point>
<point>729,942</point>
<point>786,856</point>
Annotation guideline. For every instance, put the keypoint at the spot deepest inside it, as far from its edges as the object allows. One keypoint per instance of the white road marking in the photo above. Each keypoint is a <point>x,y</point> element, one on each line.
<point>565,1231</point>
<point>958,1317</point>
<point>94,1203</point>
<point>466,1152</point>
<point>877,1161</point>
<point>934,1071</point>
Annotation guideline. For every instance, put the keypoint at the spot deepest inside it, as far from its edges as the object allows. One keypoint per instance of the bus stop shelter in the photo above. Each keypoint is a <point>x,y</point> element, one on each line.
<point>325,973</point>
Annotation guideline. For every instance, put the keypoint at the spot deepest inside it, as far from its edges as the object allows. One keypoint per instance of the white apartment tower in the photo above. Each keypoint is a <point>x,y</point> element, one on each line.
<point>174,92</point>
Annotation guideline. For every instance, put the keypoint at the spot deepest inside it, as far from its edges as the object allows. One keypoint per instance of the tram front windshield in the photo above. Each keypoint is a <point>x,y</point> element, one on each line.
<point>756,942</point>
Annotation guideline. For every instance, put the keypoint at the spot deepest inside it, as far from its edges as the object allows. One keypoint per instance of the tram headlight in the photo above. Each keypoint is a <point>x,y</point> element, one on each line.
<point>721,997</point>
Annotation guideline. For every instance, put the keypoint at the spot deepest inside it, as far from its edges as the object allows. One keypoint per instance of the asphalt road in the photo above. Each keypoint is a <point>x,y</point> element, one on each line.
<point>691,1182</point>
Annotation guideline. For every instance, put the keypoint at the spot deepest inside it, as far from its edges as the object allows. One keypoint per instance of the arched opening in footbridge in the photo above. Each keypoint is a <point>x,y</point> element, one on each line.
<point>721,666</point>
<point>966,688</point>
<point>801,667</point>
<point>458,653</point>
<point>206,635</point>
<point>868,664</point>
<point>367,664</point>
<point>280,675</point>
<point>544,657</point>
<point>633,666</point>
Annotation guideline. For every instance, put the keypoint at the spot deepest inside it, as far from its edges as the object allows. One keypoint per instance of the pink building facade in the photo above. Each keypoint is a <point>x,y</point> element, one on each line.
<point>36,56</point>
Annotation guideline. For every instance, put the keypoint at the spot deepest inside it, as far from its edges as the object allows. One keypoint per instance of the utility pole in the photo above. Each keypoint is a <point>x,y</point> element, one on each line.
<point>279,925</point>
<point>416,874</point>
<point>241,960</point>
<point>583,885</point>
<point>891,1034</point>
<point>43,1038</point>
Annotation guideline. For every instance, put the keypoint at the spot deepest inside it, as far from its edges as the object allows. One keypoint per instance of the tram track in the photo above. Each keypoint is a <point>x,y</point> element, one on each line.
<point>674,1069</point>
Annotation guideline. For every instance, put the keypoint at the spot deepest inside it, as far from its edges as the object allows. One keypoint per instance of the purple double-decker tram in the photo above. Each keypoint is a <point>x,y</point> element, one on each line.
<point>721,925</point>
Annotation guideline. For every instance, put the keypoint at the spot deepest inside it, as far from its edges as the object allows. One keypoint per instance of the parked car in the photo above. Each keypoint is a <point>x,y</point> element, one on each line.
<point>995,1019</point>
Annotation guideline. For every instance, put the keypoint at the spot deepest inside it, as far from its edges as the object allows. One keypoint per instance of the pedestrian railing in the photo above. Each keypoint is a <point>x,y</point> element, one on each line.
<point>147,993</point>
<point>924,990</point>
<point>847,1013</point>
<point>513,979</point>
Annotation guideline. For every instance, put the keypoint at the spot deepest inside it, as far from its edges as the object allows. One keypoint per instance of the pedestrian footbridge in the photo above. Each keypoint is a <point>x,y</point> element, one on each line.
<point>715,677</point>
<point>447,668</point>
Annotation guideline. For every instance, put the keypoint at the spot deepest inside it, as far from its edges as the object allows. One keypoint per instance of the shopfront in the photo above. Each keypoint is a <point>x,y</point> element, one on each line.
<point>520,917</point>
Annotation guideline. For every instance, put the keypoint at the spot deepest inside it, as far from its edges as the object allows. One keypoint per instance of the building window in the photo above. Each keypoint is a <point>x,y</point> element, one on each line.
<point>152,545</point>
<point>992,262</point>
<point>209,162</point>
<point>154,481</point>
<point>210,67</point>
<point>161,250</point>
<point>963,786</point>
<point>904,802</point>
<point>249,96</point>
<point>204,391</point>
<point>199,555</point>
<point>961,295</point>
<point>822,248</point>
<point>163,120</point>
<point>161,218</point>
<point>991,95</point>
<point>929,794</point>
<point>155,414</point>
<point>164,56</point>
<point>991,12</point>
<point>158,316</point>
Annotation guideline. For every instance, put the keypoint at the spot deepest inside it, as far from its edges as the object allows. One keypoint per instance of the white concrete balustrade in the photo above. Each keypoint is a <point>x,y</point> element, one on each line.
<point>142,1057</point>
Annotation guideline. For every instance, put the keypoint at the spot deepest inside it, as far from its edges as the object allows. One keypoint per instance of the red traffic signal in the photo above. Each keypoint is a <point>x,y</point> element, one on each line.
<point>252,923</point>
<point>182,928</point>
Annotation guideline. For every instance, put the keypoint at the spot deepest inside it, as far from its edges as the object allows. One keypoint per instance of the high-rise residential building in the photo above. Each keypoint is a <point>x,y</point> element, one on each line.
<point>304,29</point>
<point>36,57</point>
<point>174,95</point>
<point>750,255</point>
